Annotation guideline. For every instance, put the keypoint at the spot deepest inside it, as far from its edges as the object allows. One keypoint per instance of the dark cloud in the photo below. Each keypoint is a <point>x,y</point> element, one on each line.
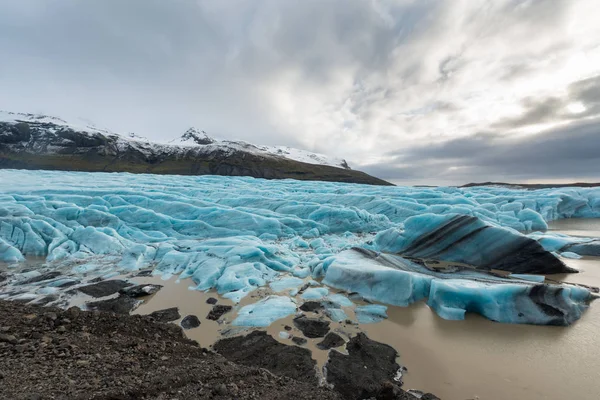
<point>569,152</point>
<point>537,111</point>
<point>555,109</point>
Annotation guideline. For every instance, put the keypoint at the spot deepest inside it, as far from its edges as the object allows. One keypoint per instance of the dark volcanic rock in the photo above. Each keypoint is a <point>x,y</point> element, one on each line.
<point>140,290</point>
<point>368,369</point>
<point>145,272</point>
<point>311,306</point>
<point>258,349</point>
<point>118,305</point>
<point>190,322</point>
<point>218,311</point>
<point>74,354</point>
<point>311,327</point>
<point>330,341</point>
<point>299,340</point>
<point>104,288</point>
<point>211,300</point>
<point>166,315</point>
<point>43,277</point>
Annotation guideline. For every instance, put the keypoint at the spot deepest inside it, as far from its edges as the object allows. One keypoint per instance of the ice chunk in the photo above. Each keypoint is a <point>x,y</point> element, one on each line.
<point>315,293</point>
<point>284,335</point>
<point>570,254</point>
<point>370,313</point>
<point>286,283</point>
<point>469,240</point>
<point>512,303</point>
<point>265,312</point>
<point>235,234</point>
<point>393,280</point>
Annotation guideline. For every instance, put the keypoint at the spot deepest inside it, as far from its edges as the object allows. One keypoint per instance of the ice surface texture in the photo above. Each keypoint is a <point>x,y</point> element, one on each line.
<point>469,240</point>
<point>394,280</point>
<point>235,234</point>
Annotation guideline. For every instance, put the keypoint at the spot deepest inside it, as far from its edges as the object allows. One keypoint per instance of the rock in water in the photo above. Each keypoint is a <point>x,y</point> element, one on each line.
<point>119,305</point>
<point>311,306</point>
<point>469,240</point>
<point>190,322</point>
<point>43,277</point>
<point>299,340</point>
<point>140,290</point>
<point>104,288</point>
<point>330,341</point>
<point>258,349</point>
<point>312,327</point>
<point>362,373</point>
<point>218,311</point>
<point>166,315</point>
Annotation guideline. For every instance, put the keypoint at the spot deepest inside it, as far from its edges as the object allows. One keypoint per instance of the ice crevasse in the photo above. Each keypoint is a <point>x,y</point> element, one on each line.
<point>235,234</point>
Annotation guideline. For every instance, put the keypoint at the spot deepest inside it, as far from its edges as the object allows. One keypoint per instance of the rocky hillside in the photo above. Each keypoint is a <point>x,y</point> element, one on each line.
<point>30,141</point>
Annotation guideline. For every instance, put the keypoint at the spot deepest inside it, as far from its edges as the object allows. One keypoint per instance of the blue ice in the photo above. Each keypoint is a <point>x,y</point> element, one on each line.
<point>236,234</point>
<point>265,312</point>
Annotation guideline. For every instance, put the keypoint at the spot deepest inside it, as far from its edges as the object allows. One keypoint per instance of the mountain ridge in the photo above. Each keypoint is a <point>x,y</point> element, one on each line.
<point>32,141</point>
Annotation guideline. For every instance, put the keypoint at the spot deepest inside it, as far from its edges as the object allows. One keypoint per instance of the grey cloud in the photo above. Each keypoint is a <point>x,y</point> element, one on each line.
<point>554,109</point>
<point>350,78</point>
<point>569,152</point>
<point>537,111</point>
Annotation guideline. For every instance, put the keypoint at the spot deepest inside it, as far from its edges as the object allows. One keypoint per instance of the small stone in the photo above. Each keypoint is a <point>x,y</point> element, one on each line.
<point>190,322</point>
<point>211,300</point>
<point>311,327</point>
<point>140,290</point>
<point>164,358</point>
<point>52,316</point>
<point>21,348</point>
<point>8,338</point>
<point>311,306</point>
<point>330,341</point>
<point>61,329</point>
<point>166,315</point>
<point>221,390</point>
<point>300,341</point>
<point>218,311</point>
<point>287,328</point>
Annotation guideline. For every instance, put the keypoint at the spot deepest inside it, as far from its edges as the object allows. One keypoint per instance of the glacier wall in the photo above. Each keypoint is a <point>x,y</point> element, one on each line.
<point>235,234</point>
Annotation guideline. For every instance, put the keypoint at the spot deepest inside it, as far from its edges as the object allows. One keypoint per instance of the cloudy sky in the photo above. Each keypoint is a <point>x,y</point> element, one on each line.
<point>416,92</point>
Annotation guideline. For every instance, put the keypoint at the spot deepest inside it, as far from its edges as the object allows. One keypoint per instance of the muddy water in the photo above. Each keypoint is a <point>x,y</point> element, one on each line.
<point>458,360</point>
<point>577,226</point>
<point>480,359</point>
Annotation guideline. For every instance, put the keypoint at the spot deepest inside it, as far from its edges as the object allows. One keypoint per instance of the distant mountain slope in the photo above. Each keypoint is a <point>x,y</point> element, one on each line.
<point>30,141</point>
<point>532,185</point>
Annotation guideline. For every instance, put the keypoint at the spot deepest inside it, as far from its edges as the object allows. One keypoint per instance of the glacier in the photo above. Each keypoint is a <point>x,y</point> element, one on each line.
<point>237,234</point>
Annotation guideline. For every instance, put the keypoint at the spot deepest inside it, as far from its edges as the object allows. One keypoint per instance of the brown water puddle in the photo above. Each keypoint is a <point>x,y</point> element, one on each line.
<point>457,360</point>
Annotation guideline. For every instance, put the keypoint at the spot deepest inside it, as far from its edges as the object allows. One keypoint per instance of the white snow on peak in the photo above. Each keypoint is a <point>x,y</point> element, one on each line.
<point>193,137</point>
<point>80,125</point>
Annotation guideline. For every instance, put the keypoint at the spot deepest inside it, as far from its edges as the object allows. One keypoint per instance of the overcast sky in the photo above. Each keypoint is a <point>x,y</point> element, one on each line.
<point>416,92</point>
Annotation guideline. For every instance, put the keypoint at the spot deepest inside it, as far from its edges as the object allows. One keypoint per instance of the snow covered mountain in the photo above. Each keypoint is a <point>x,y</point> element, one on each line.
<point>32,141</point>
